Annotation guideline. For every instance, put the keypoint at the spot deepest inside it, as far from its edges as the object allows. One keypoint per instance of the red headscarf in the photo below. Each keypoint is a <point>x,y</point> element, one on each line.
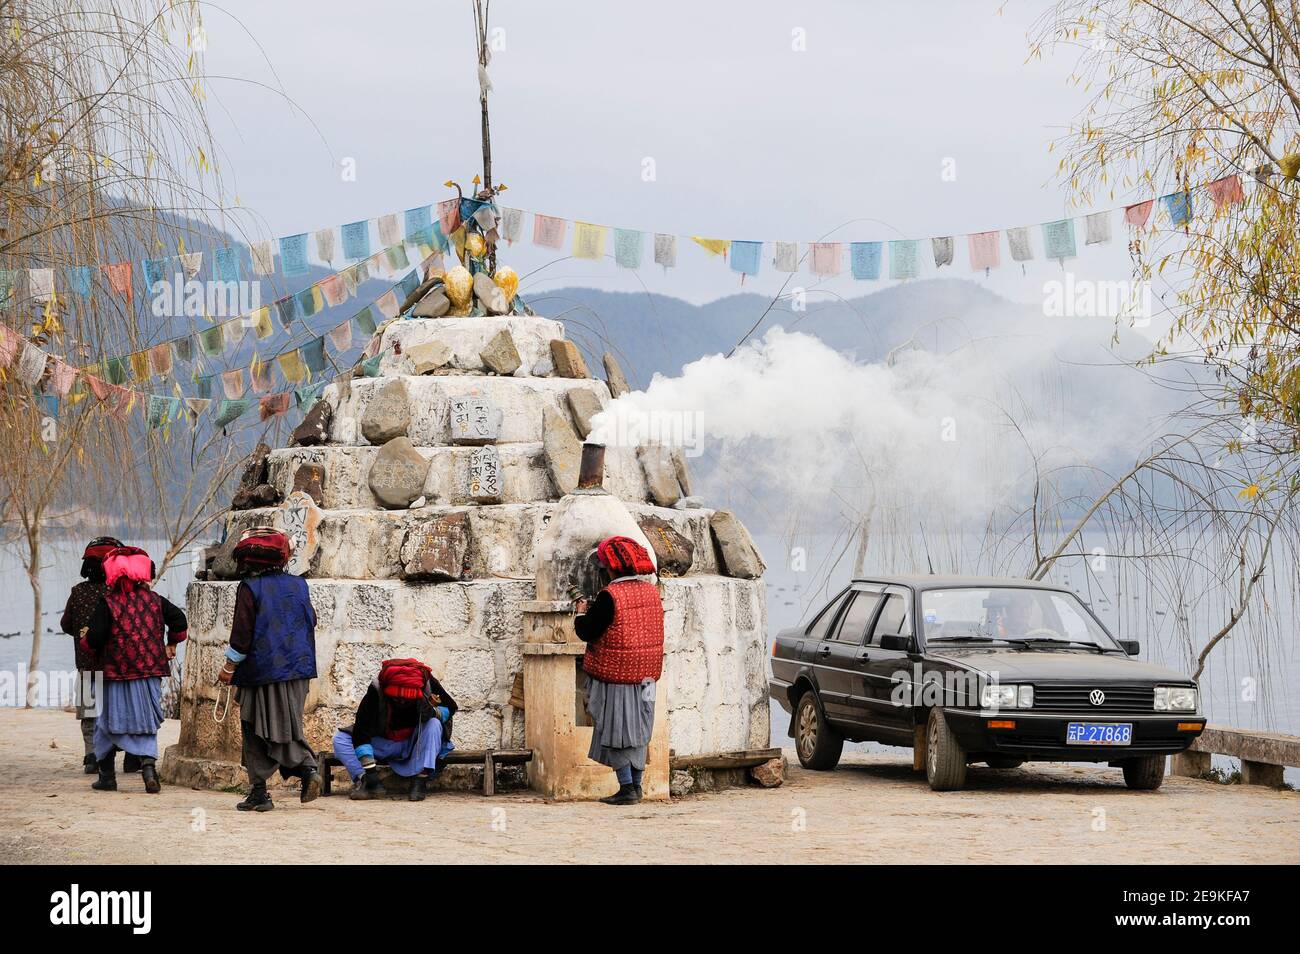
<point>403,678</point>
<point>623,556</point>
<point>263,547</point>
<point>127,565</point>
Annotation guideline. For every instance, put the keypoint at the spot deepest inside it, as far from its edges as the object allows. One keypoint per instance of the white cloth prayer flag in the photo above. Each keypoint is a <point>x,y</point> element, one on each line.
<point>786,258</point>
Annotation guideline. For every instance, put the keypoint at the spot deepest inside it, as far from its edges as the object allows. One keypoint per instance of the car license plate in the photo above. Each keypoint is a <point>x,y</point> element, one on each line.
<point>1099,733</point>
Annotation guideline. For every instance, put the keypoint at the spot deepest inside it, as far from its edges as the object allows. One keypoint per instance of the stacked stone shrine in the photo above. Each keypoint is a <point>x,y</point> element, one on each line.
<point>420,505</point>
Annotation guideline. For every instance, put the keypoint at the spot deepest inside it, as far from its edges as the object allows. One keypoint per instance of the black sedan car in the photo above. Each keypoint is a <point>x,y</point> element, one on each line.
<point>965,670</point>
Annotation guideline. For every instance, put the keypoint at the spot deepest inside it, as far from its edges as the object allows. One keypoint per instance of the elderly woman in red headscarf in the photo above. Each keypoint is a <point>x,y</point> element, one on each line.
<point>624,632</point>
<point>272,661</point>
<point>82,603</point>
<point>134,633</point>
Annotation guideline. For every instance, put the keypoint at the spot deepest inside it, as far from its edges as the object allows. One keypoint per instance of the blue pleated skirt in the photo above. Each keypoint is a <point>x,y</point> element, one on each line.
<point>130,717</point>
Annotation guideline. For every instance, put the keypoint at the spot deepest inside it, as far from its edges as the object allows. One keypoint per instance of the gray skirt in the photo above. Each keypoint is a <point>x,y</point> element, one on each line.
<point>622,719</point>
<point>271,718</point>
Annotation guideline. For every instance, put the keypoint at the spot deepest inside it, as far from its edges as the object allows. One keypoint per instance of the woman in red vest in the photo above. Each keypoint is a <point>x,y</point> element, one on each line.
<point>133,633</point>
<point>624,632</point>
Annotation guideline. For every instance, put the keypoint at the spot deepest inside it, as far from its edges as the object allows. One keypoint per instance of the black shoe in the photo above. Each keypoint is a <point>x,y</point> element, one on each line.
<point>418,788</point>
<point>311,784</point>
<point>639,793</point>
<point>131,763</point>
<point>626,795</point>
<point>107,781</point>
<point>257,801</point>
<point>88,765</point>
<point>366,787</point>
<point>149,772</point>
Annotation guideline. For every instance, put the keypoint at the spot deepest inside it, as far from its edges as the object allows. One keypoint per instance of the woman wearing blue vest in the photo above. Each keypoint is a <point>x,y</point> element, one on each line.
<point>272,659</point>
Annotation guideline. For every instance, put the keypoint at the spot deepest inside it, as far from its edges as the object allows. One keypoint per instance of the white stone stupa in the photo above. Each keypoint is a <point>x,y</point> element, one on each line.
<point>417,501</point>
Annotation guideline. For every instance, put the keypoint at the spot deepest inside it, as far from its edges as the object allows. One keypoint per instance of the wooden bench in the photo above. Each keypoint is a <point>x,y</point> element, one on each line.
<point>748,758</point>
<point>1264,755</point>
<point>488,758</point>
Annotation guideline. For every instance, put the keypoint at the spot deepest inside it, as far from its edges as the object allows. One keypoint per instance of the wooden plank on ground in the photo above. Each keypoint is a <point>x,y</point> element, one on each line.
<point>746,758</point>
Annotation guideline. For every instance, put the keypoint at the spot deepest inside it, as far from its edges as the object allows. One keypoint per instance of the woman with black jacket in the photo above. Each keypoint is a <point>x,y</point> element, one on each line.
<point>404,719</point>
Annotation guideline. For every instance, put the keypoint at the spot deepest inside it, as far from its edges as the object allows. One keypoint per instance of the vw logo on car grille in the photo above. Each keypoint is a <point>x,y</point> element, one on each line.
<point>1096,697</point>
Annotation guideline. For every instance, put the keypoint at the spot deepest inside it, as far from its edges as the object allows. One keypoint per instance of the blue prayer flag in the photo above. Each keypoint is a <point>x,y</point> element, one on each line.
<point>864,258</point>
<point>1179,207</point>
<point>745,256</point>
<point>293,255</point>
<point>418,220</point>
<point>356,239</point>
<point>227,264</point>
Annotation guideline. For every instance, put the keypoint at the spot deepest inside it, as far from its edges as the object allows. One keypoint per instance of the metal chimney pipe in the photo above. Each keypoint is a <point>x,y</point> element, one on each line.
<point>591,472</point>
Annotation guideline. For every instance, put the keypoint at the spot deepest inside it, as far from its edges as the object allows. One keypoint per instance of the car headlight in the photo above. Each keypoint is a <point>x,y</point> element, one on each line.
<point>1175,699</point>
<point>997,696</point>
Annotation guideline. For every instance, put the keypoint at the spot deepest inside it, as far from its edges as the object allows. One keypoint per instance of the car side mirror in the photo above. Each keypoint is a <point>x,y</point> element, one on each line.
<point>1131,646</point>
<point>900,644</point>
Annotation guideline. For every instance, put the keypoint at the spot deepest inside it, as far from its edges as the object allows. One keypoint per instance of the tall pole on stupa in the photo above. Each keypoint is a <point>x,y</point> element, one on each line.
<point>484,84</point>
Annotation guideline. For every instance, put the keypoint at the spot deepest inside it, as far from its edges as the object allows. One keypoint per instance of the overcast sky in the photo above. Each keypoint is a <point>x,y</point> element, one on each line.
<point>751,138</point>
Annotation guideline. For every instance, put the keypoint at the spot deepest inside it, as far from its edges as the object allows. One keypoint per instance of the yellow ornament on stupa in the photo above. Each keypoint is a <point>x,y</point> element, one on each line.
<point>507,279</point>
<point>460,289</point>
<point>475,245</point>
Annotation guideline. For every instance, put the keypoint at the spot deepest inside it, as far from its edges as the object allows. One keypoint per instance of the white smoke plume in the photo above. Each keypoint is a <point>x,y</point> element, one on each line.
<point>801,425</point>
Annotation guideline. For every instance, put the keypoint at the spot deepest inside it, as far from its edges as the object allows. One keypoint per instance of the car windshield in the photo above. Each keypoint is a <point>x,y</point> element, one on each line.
<point>1008,613</point>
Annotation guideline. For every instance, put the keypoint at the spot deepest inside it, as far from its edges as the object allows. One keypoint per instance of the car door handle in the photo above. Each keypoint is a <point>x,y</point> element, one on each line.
<point>863,657</point>
<point>824,651</point>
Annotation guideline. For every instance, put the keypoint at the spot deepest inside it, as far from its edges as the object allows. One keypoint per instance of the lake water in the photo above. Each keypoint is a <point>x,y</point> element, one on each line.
<point>1248,683</point>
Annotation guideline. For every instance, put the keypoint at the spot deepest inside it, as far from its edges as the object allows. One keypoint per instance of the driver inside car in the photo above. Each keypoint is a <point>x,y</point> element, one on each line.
<point>1015,620</point>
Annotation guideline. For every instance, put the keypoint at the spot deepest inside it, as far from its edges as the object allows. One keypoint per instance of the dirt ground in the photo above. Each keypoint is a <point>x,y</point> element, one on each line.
<point>873,809</point>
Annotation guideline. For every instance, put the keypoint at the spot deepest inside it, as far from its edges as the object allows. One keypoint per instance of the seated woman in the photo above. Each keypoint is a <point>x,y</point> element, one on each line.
<point>404,719</point>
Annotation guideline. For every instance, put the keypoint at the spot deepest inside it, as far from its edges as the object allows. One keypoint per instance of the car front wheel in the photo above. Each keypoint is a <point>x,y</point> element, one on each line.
<point>1144,774</point>
<point>945,762</point>
<point>818,745</point>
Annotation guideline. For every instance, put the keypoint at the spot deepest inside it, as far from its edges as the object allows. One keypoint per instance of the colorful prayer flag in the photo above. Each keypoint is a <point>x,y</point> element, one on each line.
<point>449,215</point>
<point>512,225</point>
<point>356,239</point>
<point>341,337</point>
<point>292,366</point>
<point>941,248</point>
<point>665,250</point>
<point>160,358</point>
<point>629,246</point>
<point>712,246</point>
<point>325,245</point>
<point>228,411</point>
<point>985,250</point>
<point>827,258</point>
<point>1226,191</point>
<point>1179,207</point>
<point>260,321</point>
<point>273,405</point>
<point>293,255</point>
<point>313,353</point>
<point>192,263</point>
<point>263,257</point>
<point>1022,249</point>
<point>904,261</point>
<point>365,320</point>
<point>286,309</point>
<point>864,260</point>
<point>745,257</point>
<point>1096,228</point>
<point>387,304</point>
<point>212,340</point>
<point>389,233</point>
<point>232,382</point>
<point>119,278</point>
<point>334,289</point>
<point>786,257</point>
<point>40,283</point>
<point>79,279</point>
<point>226,265</point>
<point>418,220</point>
<point>1058,240</point>
<point>1137,215</point>
<point>588,240</point>
<point>548,231</point>
<point>310,300</point>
